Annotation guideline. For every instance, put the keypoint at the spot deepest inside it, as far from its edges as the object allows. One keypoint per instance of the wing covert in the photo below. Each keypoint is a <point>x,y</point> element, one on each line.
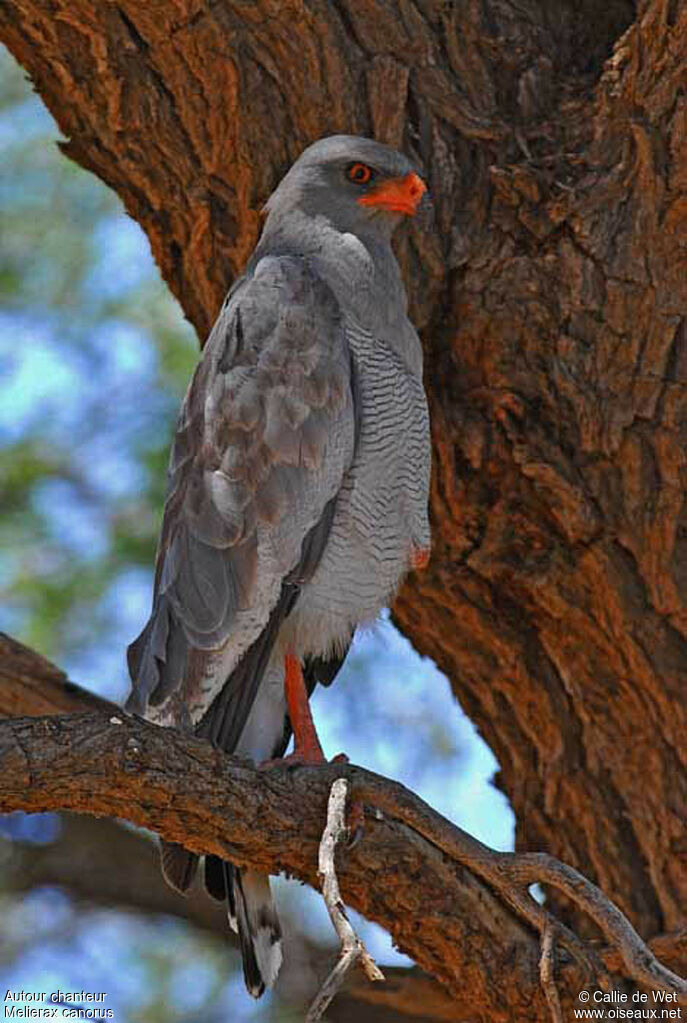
<point>265,434</point>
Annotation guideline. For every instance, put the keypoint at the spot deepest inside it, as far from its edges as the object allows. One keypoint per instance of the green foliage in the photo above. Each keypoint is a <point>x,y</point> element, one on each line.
<point>95,357</point>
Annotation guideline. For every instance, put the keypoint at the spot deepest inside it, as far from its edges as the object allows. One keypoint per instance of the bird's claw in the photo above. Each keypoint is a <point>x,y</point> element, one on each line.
<point>301,758</point>
<point>355,823</point>
<point>296,759</point>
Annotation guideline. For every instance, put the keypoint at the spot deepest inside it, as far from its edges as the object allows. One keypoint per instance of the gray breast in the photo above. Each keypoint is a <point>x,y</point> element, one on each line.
<point>381,510</point>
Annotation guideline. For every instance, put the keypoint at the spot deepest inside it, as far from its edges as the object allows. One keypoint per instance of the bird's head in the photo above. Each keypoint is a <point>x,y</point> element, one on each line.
<point>357,184</point>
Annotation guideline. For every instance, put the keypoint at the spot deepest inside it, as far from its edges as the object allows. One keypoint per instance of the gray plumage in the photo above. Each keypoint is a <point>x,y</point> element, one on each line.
<point>297,489</point>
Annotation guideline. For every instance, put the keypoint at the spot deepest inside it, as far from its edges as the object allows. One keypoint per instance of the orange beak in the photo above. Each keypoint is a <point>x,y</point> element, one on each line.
<point>399,195</point>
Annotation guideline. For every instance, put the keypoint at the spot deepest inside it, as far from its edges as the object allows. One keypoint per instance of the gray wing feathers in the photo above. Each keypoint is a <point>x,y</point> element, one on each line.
<point>223,722</point>
<point>264,437</point>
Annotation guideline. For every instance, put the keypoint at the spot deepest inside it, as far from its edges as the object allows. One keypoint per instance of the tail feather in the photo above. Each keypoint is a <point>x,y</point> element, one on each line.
<point>219,884</point>
<point>179,866</point>
<point>259,930</point>
<point>252,915</point>
<point>214,878</point>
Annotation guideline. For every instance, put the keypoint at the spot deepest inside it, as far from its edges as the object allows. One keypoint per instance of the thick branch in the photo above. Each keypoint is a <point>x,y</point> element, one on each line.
<point>30,685</point>
<point>190,793</point>
<point>271,820</point>
<point>124,871</point>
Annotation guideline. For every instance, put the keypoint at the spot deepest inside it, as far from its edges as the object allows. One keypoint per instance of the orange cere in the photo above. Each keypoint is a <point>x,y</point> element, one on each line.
<point>398,195</point>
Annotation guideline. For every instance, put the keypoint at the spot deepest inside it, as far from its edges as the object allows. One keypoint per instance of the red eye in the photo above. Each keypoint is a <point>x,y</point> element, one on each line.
<point>359,173</point>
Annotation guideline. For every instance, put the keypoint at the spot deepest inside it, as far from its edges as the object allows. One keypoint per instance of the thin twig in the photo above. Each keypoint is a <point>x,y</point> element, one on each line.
<point>546,971</point>
<point>640,962</point>
<point>510,874</point>
<point>352,948</point>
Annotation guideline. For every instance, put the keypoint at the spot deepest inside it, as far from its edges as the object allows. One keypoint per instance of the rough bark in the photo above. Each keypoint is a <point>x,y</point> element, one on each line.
<point>99,862</point>
<point>455,926</point>
<point>552,293</point>
<point>461,910</point>
<point>274,821</point>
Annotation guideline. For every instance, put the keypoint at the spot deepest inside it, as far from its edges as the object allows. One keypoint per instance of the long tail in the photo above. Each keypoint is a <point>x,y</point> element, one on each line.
<point>250,909</point>
<point>252,914</point>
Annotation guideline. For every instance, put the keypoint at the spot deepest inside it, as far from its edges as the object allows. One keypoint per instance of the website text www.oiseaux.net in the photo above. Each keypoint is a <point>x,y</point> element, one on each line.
<point>639,1005</point>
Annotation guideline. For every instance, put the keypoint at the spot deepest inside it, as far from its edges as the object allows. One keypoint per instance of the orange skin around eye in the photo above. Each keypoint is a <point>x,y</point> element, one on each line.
<point>360,173</point>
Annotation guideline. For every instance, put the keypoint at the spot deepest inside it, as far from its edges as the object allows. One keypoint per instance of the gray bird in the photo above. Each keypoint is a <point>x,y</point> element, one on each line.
<point>297,489</point>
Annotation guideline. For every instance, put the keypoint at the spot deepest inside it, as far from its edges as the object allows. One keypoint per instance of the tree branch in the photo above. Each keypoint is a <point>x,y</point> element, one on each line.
<point>352,950</point>
<point>99,862</point>
<point>183,789</point>
<point>102,863</point>
<point>30,685</point>
<point>124,866</point>
<point>105,763</point>
<point>547,971</point>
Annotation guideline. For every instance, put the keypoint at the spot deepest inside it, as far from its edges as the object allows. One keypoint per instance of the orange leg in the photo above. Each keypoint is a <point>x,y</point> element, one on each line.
<point>306,744</point>
<point>307,748</point>
<point>305,740</point>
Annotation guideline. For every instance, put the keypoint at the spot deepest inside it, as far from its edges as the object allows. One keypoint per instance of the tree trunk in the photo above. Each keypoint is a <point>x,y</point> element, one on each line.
<point>551,291</point>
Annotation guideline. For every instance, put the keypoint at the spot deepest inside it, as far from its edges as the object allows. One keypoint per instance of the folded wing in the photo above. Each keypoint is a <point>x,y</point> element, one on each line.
<point>265,435</point>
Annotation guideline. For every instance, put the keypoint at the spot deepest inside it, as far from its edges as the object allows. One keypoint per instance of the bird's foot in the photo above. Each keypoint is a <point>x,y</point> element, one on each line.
<point>310,757</point>
<point>355,822</point>
<point>295,759</point>
<point>313,757</point>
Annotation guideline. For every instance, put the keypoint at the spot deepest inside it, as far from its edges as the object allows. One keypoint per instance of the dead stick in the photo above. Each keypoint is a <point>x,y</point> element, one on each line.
<point>352,948</point>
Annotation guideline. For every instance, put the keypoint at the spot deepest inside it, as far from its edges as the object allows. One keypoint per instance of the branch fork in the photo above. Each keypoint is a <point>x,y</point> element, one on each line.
<point>187,792</point>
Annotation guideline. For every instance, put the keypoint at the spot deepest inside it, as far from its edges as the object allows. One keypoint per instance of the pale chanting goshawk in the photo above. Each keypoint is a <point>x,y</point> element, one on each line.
<point>297,489</point>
